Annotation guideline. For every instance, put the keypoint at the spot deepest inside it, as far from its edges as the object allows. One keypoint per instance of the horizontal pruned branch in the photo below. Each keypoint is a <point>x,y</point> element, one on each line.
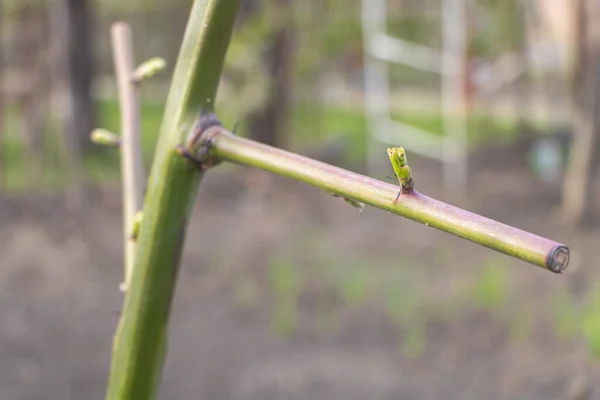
<point>217,144</point>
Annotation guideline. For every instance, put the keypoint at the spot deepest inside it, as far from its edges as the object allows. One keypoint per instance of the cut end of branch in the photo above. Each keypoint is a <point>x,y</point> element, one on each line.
<point>105,137</point>
<point>558,259</point>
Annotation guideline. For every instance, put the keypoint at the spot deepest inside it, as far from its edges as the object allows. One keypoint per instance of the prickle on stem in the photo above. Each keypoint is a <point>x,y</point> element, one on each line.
<point>352,202</point>
<point>402,171</point>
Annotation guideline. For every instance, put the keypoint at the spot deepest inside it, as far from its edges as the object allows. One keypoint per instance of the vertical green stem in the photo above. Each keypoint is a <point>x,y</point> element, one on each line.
<point>141,339</point>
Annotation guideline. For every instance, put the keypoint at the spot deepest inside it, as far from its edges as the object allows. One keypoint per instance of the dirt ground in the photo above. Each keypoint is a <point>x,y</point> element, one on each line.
<point>260,312</point>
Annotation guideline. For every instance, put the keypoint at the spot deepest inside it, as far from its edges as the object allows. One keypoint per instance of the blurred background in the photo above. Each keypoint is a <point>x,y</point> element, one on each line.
<point>286,292</point>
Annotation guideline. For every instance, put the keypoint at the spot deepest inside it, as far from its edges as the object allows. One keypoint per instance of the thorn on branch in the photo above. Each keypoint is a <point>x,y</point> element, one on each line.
<point>352,202</point>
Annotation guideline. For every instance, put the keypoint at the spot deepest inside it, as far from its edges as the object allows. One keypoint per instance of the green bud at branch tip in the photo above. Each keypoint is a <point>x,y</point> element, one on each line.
<point>105,137</point>
<point>148,69</point>
<point>401,168</point>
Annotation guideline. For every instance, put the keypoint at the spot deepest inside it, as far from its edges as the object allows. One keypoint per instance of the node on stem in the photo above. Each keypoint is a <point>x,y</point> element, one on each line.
<point>197,148</point>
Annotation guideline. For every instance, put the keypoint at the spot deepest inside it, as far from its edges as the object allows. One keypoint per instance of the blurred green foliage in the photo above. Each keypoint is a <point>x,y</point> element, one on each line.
<point>286,283</point>
<point>565,315</point>
<point>327,38</point>
<point>521,323</point>
<point>590,323</point>
<point>489,288</point>
<point>578,316</point>
<point>309,126</point>
<point>500,27</point>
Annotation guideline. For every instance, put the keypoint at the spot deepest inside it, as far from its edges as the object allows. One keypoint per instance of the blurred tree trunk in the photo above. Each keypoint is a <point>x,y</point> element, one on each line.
<point>468,84</point>
<point>270,124</point>
<point>2,97</point>
<point>248,8</point>
<point>585,106</point>
<point>523,83</point>
<point>29,53</point>
<point>63,103</point>
<point>80,71</point>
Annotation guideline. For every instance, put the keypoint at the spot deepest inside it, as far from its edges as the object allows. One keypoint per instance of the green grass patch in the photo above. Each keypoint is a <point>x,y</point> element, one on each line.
<point>566,316</point>
<point>590,322</point>
<point>521,323</point>
<point>286,284</point>
<point>572,320</point>
<point>489,289</point>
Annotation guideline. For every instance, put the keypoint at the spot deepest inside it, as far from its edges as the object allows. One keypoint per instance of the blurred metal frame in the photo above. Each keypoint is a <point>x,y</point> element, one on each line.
<point>381,49</point>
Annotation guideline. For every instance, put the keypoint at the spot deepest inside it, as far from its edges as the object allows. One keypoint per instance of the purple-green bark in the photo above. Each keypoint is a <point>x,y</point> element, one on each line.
<point>523,245</point>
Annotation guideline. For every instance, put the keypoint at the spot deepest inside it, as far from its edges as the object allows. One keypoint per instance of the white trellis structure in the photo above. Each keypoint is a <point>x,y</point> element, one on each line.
<point>382,49</point>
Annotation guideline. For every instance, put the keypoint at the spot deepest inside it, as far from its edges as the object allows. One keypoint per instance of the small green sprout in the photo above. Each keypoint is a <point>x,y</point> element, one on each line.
<point>105,137</point>
<point>137,222</point>
<point>401,170</point>
<point>148,69</point>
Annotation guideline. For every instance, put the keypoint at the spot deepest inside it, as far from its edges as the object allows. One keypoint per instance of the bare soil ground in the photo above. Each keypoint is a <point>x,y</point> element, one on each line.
<point>285,294</point>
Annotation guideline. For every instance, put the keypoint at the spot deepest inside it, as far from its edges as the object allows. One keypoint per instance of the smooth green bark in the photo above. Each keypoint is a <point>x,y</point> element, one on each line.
<point>140,342</point>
